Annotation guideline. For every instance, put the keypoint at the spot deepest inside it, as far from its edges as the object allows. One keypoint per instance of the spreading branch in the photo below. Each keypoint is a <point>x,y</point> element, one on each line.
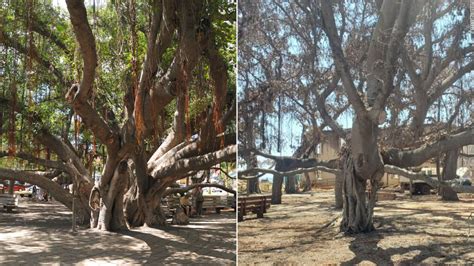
<point>453,184</point>
<point>190,187</point>
<point>39,179</point>
<point>245,173</point>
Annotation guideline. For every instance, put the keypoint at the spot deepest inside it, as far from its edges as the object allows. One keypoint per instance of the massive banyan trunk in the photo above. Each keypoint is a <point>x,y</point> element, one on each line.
<point>449,173</point>
<point>107,201</point>
<point>81,203</point>
<point>143,198</point>
<point>357,206</point>
<point>143,207</point>
<point>361,165</point>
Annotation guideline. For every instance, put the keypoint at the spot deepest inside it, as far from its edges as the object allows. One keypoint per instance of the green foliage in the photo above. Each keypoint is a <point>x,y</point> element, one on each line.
<point>41,92</point>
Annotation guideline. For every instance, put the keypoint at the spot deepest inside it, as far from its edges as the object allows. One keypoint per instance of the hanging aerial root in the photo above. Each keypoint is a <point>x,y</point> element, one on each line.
<point>94,199</point>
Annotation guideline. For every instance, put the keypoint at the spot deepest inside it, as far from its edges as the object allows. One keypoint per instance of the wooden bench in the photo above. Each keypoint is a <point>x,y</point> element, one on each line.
<point>214,202</point>
<point>253,204</point>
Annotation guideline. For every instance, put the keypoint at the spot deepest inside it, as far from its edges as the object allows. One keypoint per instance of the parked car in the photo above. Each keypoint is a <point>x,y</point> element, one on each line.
<point>28,192</point>
<point>8,201</point>
<point>17,186</point>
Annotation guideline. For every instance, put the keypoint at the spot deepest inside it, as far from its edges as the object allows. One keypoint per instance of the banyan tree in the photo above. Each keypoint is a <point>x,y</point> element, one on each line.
<point>402,69</point>
<point>123,99</point>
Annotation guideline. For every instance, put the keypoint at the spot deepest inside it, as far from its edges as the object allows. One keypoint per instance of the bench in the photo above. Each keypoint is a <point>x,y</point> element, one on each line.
<point>253,204</point>
<point>214,202</point>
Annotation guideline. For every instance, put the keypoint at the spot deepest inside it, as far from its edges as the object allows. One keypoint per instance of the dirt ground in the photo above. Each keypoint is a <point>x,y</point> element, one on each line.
<point>40,233</point>
<point>303,230</point>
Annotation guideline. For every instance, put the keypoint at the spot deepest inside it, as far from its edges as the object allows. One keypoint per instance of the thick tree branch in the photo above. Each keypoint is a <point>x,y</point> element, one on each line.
<point>183,166</point>
<point>188,188</point>
<point>85,38</point>
<point>245,173</point>
<point>293,162</point>
<point>342,66</point>
<point>391,169</point>
<point>420,155</point>
<point>39,179</point>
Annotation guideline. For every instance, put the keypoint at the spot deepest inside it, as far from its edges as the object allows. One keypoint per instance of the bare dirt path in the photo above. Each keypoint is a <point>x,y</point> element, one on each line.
<point>41,233</point>
<point>409,231</point>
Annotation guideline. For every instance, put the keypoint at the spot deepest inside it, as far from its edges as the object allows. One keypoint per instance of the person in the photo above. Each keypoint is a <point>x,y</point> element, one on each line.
<point>34,191</point>
<point>199,201</point>
<point>184,202</point>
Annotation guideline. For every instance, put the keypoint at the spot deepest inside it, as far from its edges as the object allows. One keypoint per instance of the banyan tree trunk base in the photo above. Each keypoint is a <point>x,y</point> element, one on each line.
<point>358,206</point>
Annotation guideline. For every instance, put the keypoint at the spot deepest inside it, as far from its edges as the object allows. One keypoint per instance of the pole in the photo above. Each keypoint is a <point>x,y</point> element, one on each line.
<point>74,208</point>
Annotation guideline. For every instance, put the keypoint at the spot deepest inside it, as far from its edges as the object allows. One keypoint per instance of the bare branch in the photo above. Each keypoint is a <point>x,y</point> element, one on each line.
<point>186,189</point>
<point>391,169</point>
<point>418,156</point>
<point>342,66</point>
<point>243,174</point>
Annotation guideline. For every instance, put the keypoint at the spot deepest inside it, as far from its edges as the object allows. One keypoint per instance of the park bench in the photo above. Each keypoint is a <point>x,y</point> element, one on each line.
<point>253,204</point>
<point>214,202</point>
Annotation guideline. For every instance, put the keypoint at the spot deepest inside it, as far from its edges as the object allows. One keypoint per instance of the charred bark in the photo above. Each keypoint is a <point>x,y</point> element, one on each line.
<point>276,189</point>
<point>338,193</point>
<point>449,173</point>
<point>358,207</point>
<point>290,184</point>
<point>253,186</point>
<point>307,183</point>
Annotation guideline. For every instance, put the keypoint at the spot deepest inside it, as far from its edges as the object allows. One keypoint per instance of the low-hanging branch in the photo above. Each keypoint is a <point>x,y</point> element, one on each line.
<point>391,169</point>
<point>39,179</point>
<point>245,173</point>
<point>301,162</point>
<point>415,157</point>
<point>190,187</point>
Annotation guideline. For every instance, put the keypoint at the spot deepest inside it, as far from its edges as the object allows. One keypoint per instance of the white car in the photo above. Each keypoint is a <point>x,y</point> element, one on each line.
<point>8,201</point>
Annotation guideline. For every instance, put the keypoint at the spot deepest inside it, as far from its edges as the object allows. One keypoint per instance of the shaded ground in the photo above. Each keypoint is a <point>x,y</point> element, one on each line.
<point>41,233</point>
<point>409,231</point>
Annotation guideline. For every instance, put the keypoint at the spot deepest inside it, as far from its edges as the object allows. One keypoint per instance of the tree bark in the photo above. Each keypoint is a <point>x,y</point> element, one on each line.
<point>449,173</point>
<point>53,188</point>
<point>253,186</point>
<point>307,183</point>
<point>338,191</point>
<point>111,217</point>
<point>361,162</point>
<point>357,207</point>
<point>276,189</point>
<point>290,184</point>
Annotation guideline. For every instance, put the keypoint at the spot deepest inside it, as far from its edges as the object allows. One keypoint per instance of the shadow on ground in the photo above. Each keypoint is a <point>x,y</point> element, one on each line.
<point>421,230</point>
<point>41,233</point>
